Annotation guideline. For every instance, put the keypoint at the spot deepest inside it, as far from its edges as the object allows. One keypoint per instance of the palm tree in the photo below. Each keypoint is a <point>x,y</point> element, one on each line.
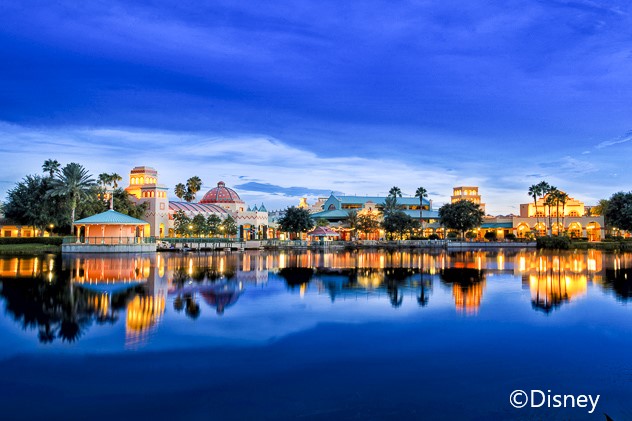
<point>194,184</point>
<point>180,190</point>
<point>395,192</point>
<point>421,193</point>
<point>563,198</point>
<point>104,179</point>
<point>114,179</point>
<point>72,182</point>
<point>534,191</point>
<point>51,166</point>
<point>352,220</point>
<point>545,189</point>
<point>552,200</point>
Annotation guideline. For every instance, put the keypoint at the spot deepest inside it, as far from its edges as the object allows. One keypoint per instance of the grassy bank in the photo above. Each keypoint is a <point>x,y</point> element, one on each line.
<point>14,249</point>
<point>30,245</point>
<point>565,243</point>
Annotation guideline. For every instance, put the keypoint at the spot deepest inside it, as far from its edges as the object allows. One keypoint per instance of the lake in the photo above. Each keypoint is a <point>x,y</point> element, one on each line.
<point>317,335</point>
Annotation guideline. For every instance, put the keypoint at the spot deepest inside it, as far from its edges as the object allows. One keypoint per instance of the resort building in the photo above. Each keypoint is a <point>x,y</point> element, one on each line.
<point>252,222</point>
<point>109,232</point>
<point>467,193</point>
<point>336,210</point>
<point>10,228</point>
<point>318,206</point>
<point>541,219</point>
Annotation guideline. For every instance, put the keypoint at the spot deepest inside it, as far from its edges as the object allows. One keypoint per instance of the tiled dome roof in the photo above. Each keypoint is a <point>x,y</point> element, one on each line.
<point>221,194</point>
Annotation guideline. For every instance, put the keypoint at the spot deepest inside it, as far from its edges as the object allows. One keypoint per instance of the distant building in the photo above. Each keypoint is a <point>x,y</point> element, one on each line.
<point>316,207</point>
<point>571,219</point>
<point>252,222</point>
<point>467,193</point>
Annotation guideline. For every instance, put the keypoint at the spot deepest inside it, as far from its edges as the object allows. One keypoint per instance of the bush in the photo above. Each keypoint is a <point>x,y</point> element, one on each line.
<point>510,237</point>
<point>452,235</point>
<point>433,237</point>
<point>491,235</point>
<point>554,243</point>
<point>56,241</point>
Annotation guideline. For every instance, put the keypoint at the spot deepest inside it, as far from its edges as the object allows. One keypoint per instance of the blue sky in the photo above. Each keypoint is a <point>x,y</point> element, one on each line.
<point>300,98</point>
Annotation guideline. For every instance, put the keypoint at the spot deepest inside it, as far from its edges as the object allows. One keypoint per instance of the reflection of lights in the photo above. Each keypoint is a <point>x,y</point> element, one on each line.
<point>523,264</point>
<point>501,262</point>
<point>592,265</point>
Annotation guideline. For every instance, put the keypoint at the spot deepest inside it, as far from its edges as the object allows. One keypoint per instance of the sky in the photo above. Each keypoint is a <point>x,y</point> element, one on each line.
<point>283,100</point>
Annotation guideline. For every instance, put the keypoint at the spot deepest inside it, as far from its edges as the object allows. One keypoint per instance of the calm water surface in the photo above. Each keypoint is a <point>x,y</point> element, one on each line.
<point>312,335</point>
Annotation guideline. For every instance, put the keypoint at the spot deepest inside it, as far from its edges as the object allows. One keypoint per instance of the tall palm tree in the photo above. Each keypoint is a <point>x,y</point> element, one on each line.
<point>73,182</point>
<point>180,190</point>
<point>395,192</point>
<point>563,198</point>
<point>194,184</point>
<point>545,189</point>
<point>534,191</point>
<point>552,200</point>
<point>51,166</point>
<point>421,193</point>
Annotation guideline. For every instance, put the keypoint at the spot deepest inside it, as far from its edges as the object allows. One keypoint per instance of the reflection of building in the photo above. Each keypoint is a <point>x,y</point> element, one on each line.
<point>469,193</point>
<point>252,222</point>
<point>467,298</point>
<point>554,279</point>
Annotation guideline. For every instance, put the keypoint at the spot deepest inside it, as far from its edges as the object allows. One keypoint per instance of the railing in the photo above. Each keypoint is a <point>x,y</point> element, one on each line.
<point>196,240</point>
<point>98,241</point>
<point>358,243</point>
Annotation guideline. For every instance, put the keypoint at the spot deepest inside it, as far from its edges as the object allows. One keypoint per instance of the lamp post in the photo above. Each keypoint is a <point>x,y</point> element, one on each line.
<point>51,226</point>
<point>190,230</point>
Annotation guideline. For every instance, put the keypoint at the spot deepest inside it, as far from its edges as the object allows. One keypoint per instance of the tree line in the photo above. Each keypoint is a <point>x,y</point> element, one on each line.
<point>62,195</point>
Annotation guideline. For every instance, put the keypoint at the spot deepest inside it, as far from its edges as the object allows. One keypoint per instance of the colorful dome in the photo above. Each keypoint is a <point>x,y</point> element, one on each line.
<point>221,194</point>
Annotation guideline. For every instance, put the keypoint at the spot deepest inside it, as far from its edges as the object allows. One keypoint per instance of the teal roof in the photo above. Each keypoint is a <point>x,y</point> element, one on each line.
<point>332,214</point>
<point>343,213</point>
<point>254,208</point>
<point>110,217</point>
<point>497,225</point>
<point>262,208</point>
<point>379,199</point>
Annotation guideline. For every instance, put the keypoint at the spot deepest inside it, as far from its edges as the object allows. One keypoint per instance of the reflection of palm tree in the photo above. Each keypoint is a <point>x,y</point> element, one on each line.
<point>296,276</point>
<point>192,308</point>
<point>424,296</point>
<point>178,303</point>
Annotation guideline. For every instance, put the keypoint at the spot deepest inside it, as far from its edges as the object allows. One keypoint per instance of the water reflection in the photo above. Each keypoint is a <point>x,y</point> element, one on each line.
<point>63,298</point>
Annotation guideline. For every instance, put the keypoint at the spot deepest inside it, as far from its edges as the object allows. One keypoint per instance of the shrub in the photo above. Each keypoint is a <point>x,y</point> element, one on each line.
<point>434,237</point>
<point>490,235</point>
<point>510,237</point>
<point>56,241</point>
<point>555,243</point>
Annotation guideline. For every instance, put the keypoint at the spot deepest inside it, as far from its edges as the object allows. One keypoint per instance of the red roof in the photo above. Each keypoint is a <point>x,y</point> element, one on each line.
<point>323,232</point>
<point>221,194</point>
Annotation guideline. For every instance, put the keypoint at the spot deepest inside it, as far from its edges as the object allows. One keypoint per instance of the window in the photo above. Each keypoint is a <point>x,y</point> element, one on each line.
<point>351,206</point>
<point>162,206</point>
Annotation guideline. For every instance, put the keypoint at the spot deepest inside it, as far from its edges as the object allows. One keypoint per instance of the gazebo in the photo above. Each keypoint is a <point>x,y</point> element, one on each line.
<point>323,234</point>
<point>109,232</point>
